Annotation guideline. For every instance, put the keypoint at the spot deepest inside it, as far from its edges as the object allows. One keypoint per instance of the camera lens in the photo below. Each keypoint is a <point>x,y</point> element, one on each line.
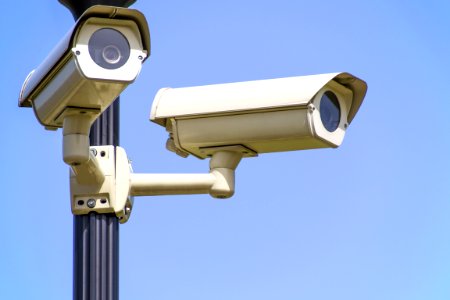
<point>111,54</point>
<point>109,48</point>
<point>330,111</point>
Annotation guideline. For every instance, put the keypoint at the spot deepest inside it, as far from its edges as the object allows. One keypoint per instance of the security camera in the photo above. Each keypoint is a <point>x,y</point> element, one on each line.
<point>90,66</point>
<point>96,60</point>
<point>253,117</point>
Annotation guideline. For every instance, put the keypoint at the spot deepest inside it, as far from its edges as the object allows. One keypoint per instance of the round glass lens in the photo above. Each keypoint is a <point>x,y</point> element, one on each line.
<point>111,54</point>
<point>109,48</point>
<point>330,111</point>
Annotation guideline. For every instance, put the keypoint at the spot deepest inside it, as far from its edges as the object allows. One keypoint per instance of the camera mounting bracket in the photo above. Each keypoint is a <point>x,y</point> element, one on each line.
<point>108,196</point>
<point>115,193</point>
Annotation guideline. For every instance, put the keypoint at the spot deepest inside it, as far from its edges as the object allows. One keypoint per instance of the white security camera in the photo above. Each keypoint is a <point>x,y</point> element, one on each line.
<point>89,68</point>
<point>261,116</point>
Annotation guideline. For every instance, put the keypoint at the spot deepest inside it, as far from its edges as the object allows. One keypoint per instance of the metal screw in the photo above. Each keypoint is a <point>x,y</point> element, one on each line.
<point>140,57</point>
<point>127,210</point>
<point>94,151</point>
<point>91,203</point>
<point>77,52</point>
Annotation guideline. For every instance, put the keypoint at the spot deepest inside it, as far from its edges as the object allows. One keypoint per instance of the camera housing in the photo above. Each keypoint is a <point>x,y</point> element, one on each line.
<point>252,117</point>
<point>90,66</point>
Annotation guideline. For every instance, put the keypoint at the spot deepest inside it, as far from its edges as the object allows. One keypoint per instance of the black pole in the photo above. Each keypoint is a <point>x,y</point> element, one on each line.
<point>96,236</point>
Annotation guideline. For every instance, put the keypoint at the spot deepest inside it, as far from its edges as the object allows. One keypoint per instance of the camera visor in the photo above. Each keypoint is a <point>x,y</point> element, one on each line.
<point>109,48</point>
<point>330,111</point>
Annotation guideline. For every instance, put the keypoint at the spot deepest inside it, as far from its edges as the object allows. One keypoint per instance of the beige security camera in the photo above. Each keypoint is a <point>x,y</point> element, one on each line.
<point>284,114</point>
<point>89,68</point>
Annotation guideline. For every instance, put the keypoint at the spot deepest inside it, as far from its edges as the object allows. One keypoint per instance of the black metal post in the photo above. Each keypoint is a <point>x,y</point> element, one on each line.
<point>96,236</point>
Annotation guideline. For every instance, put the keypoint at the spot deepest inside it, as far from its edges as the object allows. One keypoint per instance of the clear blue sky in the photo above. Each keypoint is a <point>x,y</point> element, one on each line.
<point>369,220</point>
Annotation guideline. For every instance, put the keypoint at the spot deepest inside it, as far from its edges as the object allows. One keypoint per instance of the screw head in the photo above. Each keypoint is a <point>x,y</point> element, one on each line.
<point>91,203</point>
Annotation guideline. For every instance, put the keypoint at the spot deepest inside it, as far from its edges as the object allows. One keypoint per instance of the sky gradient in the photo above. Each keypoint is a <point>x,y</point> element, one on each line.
<point>368,220</point>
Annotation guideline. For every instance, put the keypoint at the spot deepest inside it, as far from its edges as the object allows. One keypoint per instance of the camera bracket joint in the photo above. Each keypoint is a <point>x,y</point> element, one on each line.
<point>105,194</point>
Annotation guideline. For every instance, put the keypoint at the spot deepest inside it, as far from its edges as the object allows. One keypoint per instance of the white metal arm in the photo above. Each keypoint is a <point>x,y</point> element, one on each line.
<point>219,183</point>
<point>102,180</point>
<point>170,184</point>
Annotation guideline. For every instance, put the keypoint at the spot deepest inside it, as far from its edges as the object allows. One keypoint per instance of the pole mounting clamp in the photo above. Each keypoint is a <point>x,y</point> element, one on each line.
<point>110,195</point>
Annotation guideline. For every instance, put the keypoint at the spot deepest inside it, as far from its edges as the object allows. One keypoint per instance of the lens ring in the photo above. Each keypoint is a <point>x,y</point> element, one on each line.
<point>330,111</point>
<point>111,54</point>
<point>109,48</point>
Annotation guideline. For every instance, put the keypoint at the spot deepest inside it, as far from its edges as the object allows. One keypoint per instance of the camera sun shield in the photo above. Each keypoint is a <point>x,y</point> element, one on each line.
<point>284,114</point>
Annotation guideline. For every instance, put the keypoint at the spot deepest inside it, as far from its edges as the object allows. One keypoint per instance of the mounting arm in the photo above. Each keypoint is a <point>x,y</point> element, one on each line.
<point>219,183</point>
<point>119,186</point>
